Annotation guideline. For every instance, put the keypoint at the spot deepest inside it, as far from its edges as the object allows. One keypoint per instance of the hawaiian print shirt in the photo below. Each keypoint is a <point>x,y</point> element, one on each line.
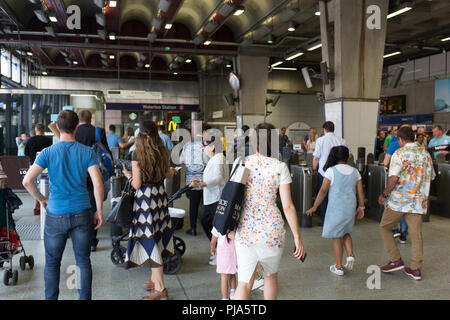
<point>414,167</point>
<point>261,222</point>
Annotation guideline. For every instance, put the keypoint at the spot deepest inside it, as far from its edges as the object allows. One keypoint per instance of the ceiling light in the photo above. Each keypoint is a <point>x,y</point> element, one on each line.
<point>175,73</point>
<point>400,11</point>
<point>147,65</point>
<point>211,26</point>
<point>112,3</point>
<point>391,54</point>
<point>284,68</point>
<point>188,60</point>
<point>75,62</point>
<point>291,27</point>
<point>29,53</point>
<point>270,38</point>
<point>44,73</point>
<point>157,23</point>
<point>112,57</point>
<point>50,31</point>
<point>294,55</point>
<point>445,39</point>
<point>207,42</point>
<point>277,64</point>
<point>164,5</point>
<point>226,9</point>
<point>53,18</point>
<point>168,26</point>
<point>100,18</point>
<point>99,3</point>
<point>240,10</point>
<point>314,47</point>
<point>112,36</point>
<point>317,13</point>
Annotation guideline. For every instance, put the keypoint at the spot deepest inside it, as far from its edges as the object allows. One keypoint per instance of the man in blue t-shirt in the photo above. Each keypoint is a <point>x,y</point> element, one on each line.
<point>440,143</point>
<point>68,208</point>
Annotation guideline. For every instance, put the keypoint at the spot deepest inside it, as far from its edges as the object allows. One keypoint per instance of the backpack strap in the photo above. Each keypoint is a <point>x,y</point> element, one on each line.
<point>97,134</point>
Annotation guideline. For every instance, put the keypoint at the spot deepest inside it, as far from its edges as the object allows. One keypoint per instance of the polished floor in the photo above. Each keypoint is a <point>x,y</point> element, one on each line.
<point>300,281</point>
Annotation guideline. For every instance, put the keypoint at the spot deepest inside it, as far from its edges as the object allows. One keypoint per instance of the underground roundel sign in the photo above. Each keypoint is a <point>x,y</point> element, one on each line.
<point>234,81</point>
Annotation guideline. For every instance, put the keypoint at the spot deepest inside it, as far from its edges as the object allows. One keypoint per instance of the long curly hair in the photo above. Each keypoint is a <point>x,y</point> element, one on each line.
<point>151,153</point>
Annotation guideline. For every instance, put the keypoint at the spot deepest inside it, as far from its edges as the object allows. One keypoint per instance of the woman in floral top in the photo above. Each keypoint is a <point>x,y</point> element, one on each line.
<point>260,236</point>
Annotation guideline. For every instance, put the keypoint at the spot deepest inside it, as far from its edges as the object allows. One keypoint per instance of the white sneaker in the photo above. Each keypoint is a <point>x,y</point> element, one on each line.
<point>212,260</point>
<point>232,292</point>
<point>337,271</point>
<point>258,283</point>
<point>349,264</point>
<point>226,299</point>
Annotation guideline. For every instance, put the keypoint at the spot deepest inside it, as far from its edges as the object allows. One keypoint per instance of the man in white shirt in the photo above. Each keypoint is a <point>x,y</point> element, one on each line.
<point>321,152</point>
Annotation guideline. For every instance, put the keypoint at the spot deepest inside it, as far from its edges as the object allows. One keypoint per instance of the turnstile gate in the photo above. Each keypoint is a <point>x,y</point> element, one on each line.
<point>440,199</point>
<point>377,177</point>
<point>302,192</point>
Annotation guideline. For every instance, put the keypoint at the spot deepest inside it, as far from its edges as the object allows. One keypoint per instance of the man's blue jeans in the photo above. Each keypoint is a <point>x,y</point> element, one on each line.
<point>324,204</point>
<point>57,228</point>
<point>403,227</point>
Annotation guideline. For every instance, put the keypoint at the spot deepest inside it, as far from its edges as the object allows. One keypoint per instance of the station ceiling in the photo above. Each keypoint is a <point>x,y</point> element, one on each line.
<point>170,38</point>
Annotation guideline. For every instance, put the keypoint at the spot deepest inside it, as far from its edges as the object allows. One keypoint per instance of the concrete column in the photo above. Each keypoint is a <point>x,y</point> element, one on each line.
<point>253,75</point>
<point>353,34</point>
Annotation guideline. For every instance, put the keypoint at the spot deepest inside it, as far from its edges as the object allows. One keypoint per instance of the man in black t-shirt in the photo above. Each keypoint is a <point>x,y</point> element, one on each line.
<point>34,145</point>
<point>37,143</point>
<point>86,135</point>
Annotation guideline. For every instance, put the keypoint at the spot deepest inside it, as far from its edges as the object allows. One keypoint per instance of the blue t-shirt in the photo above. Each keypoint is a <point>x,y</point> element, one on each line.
<point>441,144</point>
<point>393,146</point>
<point>113,140</point>
<point>67,164</point>
<point>166,140</point>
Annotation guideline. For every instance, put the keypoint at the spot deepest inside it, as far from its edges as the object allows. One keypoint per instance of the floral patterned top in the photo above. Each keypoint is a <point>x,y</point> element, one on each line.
<point>414,167</point>
<point>261,222</point>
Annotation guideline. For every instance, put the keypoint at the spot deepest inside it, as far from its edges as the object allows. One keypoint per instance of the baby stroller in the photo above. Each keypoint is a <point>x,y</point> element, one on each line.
<point>10,243</point>
<point>171,265</point>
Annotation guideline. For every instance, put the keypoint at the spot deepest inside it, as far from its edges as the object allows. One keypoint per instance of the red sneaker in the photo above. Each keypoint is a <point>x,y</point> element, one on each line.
<point>415,274</point>
<point>393,266</point>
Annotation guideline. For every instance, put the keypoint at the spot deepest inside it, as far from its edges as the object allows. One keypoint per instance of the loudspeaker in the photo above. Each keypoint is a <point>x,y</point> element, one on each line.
<point>396,77</point>
<point>306,76</point>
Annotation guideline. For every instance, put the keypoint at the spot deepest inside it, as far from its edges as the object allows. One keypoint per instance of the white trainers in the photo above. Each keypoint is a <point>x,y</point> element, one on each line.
<point>257,284</point>
<point>337,271</point>
<point>350,262</point>
<point>232,292</point>
<point>212,260</point>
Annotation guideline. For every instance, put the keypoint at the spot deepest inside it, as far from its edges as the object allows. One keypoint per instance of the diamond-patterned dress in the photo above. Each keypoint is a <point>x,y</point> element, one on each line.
<point>151,232</point>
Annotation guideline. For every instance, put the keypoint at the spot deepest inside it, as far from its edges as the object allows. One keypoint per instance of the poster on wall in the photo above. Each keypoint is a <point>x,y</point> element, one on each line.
<point>442,95</point>
<point>333,113</point>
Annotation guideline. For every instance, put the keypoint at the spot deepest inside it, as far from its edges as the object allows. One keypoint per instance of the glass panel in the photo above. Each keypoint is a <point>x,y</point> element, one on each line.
<point>6,63</point>
<point>24,80</point>
<point>15,69</point>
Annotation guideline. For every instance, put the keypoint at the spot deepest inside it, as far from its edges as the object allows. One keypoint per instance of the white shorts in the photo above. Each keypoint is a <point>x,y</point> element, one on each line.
<point>249,256</point>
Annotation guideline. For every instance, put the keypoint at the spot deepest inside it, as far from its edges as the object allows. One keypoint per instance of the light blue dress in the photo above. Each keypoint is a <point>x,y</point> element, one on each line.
<point>341,210</point>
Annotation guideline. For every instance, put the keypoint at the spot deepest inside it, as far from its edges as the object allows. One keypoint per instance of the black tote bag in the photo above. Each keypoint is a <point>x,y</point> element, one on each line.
<point>122,213</point>
<point>229,208</point>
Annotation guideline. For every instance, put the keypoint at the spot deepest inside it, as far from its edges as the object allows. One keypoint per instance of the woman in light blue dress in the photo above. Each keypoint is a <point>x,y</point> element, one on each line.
<point>342,182</point>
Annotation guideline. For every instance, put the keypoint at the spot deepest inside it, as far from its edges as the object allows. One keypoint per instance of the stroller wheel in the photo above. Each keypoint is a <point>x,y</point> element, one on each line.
<point>30,261</point>
<point>172,264</point>
<point>180,245</point>
<point>22,262</point>
<point>118,255</point>
<point>15,277</point>
<point>6,275</point>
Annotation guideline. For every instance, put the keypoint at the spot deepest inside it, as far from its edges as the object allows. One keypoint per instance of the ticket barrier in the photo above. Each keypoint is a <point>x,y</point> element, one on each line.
<point>377,177</point>
<point>302,192</point>
<point>440,191</point>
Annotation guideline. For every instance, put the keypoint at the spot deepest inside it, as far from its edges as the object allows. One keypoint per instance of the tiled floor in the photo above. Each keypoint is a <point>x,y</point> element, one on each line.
<point>308,280</point>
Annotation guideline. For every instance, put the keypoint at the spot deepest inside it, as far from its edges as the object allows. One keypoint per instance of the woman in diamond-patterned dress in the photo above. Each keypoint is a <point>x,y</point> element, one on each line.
<point>151,232</point>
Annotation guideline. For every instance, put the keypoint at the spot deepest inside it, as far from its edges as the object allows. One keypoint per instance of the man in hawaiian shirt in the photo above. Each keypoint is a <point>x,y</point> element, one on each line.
<point>406,194</point>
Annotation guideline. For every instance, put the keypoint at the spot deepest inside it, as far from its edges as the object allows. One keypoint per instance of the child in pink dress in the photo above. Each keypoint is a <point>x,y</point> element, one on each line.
<point>226,263</point>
